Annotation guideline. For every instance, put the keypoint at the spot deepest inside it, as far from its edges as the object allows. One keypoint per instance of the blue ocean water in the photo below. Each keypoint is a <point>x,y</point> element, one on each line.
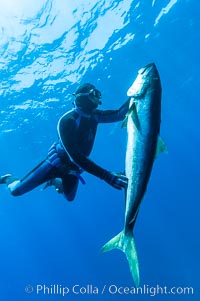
<point>47,49</point>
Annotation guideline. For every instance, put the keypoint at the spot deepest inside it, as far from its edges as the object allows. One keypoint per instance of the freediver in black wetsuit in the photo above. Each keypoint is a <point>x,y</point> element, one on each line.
<point>68,158</point>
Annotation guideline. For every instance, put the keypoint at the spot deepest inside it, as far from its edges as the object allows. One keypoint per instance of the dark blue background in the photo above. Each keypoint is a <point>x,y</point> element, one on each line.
<point>44,239</point>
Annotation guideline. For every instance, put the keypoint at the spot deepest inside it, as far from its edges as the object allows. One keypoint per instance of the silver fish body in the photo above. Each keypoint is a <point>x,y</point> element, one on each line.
<point>143,144</point>
<point>143,127</point>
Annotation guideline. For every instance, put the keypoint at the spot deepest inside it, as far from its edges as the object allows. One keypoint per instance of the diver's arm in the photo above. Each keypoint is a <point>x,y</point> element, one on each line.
<point>112,115</point>
<point>66,129</point>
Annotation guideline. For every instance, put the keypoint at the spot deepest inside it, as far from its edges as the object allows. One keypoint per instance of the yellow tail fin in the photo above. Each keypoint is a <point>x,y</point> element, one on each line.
<point>126,243</point>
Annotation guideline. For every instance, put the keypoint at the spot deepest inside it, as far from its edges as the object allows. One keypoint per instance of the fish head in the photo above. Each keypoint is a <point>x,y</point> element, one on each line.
<point>142,81</point>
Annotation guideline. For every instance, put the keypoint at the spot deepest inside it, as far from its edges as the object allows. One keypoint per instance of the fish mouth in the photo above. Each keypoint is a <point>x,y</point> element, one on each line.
<point>147,69</point>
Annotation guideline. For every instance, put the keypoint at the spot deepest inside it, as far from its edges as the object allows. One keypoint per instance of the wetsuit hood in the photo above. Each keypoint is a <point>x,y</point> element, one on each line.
<point>87,98</point>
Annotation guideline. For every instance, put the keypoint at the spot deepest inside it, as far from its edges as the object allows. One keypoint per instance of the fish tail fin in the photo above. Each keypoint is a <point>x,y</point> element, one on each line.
<point>125,242</point>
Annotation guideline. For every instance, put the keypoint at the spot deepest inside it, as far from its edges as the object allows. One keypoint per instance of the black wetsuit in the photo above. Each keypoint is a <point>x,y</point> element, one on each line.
<point>69,157</point>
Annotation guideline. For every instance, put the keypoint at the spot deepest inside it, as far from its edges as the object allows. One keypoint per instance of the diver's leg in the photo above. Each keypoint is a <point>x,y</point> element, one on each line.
<point>38,176</point>
<point>70,186</point>
<point>44,171</point>
<point>56,182</point>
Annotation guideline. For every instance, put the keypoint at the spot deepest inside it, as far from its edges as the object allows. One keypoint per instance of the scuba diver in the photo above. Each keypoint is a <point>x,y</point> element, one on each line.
<point>68,158</point>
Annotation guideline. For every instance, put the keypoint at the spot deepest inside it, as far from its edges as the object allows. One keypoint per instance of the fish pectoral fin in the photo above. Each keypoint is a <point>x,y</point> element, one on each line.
<point>161,147</point>
<point>134,117</point>
<point>133,112</point>
<point>126,243</point>
<point>125,121</point>
<point>131,108</point>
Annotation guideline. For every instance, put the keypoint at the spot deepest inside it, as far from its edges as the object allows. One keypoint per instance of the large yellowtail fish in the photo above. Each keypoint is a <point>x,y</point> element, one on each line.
<point>143,145</point>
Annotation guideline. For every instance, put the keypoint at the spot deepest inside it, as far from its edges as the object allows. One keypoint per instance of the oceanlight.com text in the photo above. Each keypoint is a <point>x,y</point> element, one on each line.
<point>112,289</point>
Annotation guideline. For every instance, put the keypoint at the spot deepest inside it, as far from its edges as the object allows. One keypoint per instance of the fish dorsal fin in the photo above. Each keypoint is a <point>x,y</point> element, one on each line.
<point>161,147</point>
